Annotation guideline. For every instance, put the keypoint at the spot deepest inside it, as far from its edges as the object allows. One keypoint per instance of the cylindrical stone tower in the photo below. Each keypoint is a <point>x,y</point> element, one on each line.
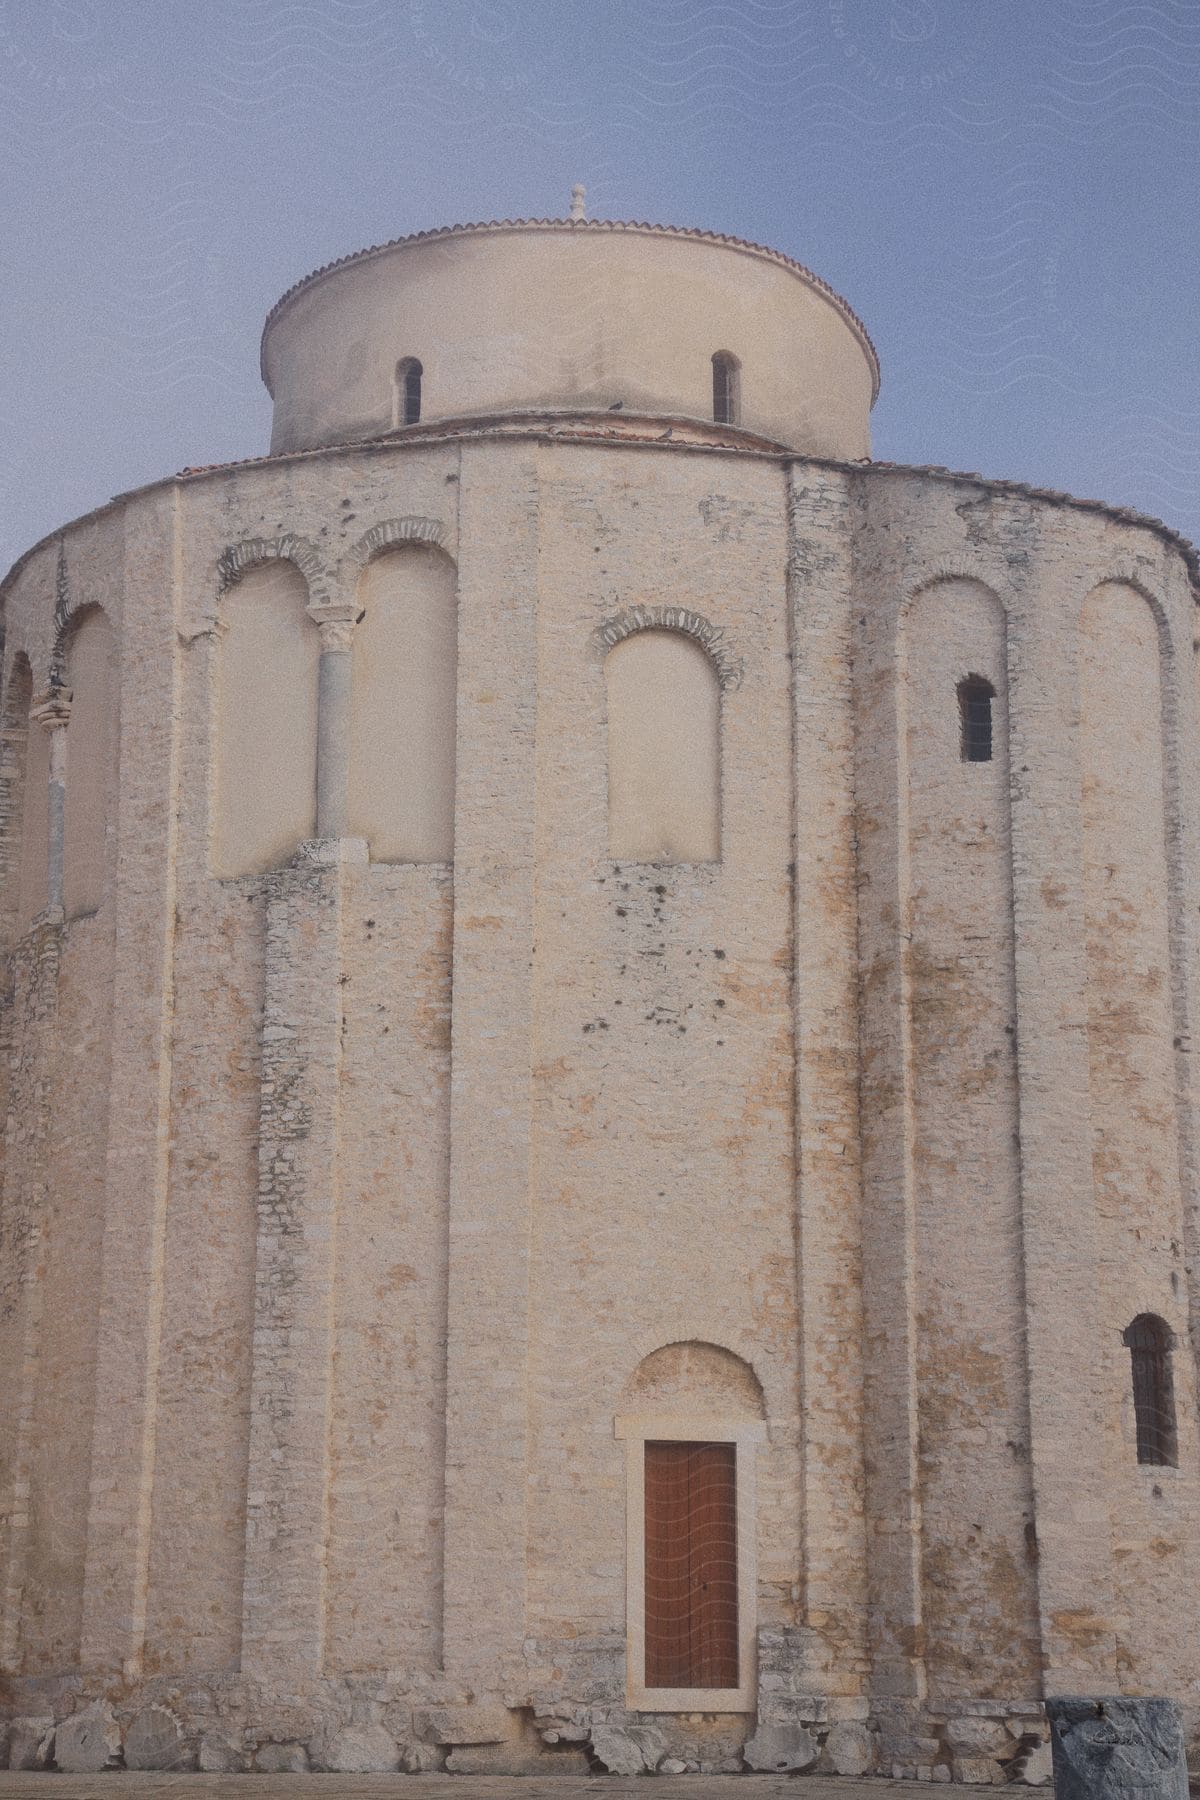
<point>601,1147</point>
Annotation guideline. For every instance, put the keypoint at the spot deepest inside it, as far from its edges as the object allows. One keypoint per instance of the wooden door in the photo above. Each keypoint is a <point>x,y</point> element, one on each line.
<point>691,1566</point>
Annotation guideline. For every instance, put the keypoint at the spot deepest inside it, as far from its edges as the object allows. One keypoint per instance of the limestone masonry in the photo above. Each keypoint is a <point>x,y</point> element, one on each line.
<point>601,1153</point>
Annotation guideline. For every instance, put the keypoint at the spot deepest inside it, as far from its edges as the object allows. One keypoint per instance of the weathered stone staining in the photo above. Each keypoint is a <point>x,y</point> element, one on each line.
<point>568,937</point>
<point>1117,1748</point>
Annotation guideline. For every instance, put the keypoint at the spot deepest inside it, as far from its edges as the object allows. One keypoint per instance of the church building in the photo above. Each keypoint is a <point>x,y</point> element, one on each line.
<point>597,1042</point>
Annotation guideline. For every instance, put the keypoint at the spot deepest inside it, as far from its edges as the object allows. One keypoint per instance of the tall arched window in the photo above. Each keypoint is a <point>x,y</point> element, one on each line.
<point>726,374</point>
<point>24,773</point>
<point>266,798</point>
<point>91,760</point>
<point>975,696</point>
<point>1149,1342</point>
<point>408,391</point>
<point>664,750</point>
<point>402,710</point>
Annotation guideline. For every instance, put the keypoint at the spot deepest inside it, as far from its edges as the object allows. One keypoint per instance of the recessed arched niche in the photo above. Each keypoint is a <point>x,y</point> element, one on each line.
<point>664,750</point>
<point>403,706</point>
<point>266,766</point>
<point>1126,888</point>
<point>91,766</point>
<point>27,774</point>
<point>692,1376</point>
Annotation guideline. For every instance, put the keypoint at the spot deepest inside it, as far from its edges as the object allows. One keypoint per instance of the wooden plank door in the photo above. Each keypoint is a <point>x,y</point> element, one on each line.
<point>691,1565</point>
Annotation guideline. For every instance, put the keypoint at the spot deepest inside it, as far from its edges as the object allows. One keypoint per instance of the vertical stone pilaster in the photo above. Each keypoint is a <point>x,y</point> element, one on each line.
<point>137,1164</point>
<point>283,1621</point>
<point>1059,1229</point>
<point>826,1004</point>
<point>34,1002</point>
<point>891,1425</point>
<point>335,621</point>
<point>491,1057</point>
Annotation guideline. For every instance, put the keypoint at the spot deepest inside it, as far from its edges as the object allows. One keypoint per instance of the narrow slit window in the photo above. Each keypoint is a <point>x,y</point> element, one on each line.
<point>1149,1340</point>
<point>691,1565</point>
<point>408,391</point>
<point>726,397</point>
<point>975,699</point>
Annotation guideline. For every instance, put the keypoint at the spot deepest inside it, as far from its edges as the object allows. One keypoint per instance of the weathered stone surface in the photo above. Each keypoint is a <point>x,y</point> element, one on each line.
<point>780,1747</point>
<point>1114,1747</point>
<point>1037,1769</point>
<point>154,1740</point>
<point>421,1759</point>
<point>672,1765</point>
<point>282,1759</point>
<point>356,1750</point>
<point>355,1000</point>
<point>849,1748</point>
<point>978,1737</point>
<point>88,1741</point>
<point>981,1771</point>
<point>463,1724</point>
<point>218,1756</point>
<point>628,1749</point>
<point>515,1759</point>
<point>30,1743</point>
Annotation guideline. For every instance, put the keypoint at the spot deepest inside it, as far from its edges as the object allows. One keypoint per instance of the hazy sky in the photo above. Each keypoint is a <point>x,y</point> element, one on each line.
<point>1006,193</point>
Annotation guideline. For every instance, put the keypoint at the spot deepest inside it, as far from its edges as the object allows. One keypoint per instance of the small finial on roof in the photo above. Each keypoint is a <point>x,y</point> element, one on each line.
<point>579,201</point>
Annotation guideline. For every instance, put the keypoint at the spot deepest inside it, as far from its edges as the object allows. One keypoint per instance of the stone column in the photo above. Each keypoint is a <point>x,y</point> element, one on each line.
<point>283,1618</point>
<point>335,620</point>
<point>52,710</point>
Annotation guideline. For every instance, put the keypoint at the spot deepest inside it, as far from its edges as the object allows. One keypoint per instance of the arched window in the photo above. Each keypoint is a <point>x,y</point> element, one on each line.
<point>726,371</point>
<point>408,391</point>
<point>266,786</point>
<point>664,750</point>
<point>1149,1343</point>
<point>24,774</point>
<point>91,760</point>
<point>975,696</point>
<point>402,711</point>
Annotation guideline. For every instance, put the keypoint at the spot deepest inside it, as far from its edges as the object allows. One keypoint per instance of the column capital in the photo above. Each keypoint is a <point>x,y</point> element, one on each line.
<point>335,620</point>
<point>52,708</point>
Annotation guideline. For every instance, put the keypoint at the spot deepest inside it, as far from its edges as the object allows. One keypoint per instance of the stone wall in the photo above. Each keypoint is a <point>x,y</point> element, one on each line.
<point>344,1199</point>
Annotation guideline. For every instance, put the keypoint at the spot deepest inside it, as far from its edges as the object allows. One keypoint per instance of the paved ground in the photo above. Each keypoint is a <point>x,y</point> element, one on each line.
<point>457,1787</point>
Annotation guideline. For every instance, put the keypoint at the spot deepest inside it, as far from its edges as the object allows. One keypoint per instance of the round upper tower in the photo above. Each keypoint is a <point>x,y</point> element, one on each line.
<point>568,316</point>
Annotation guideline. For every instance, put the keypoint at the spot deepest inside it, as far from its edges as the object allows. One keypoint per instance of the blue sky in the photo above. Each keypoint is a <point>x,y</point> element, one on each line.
<point>1006,194</point>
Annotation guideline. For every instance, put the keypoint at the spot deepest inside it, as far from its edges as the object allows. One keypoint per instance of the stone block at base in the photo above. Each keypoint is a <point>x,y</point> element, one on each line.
<point>1117,1748</point>
<point>776,1748</point>
<point>282,1759</point>
<point>30,1743</point>
<point>154,1740</point>
<point>88,1741</point>
<point>358,1750</point>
